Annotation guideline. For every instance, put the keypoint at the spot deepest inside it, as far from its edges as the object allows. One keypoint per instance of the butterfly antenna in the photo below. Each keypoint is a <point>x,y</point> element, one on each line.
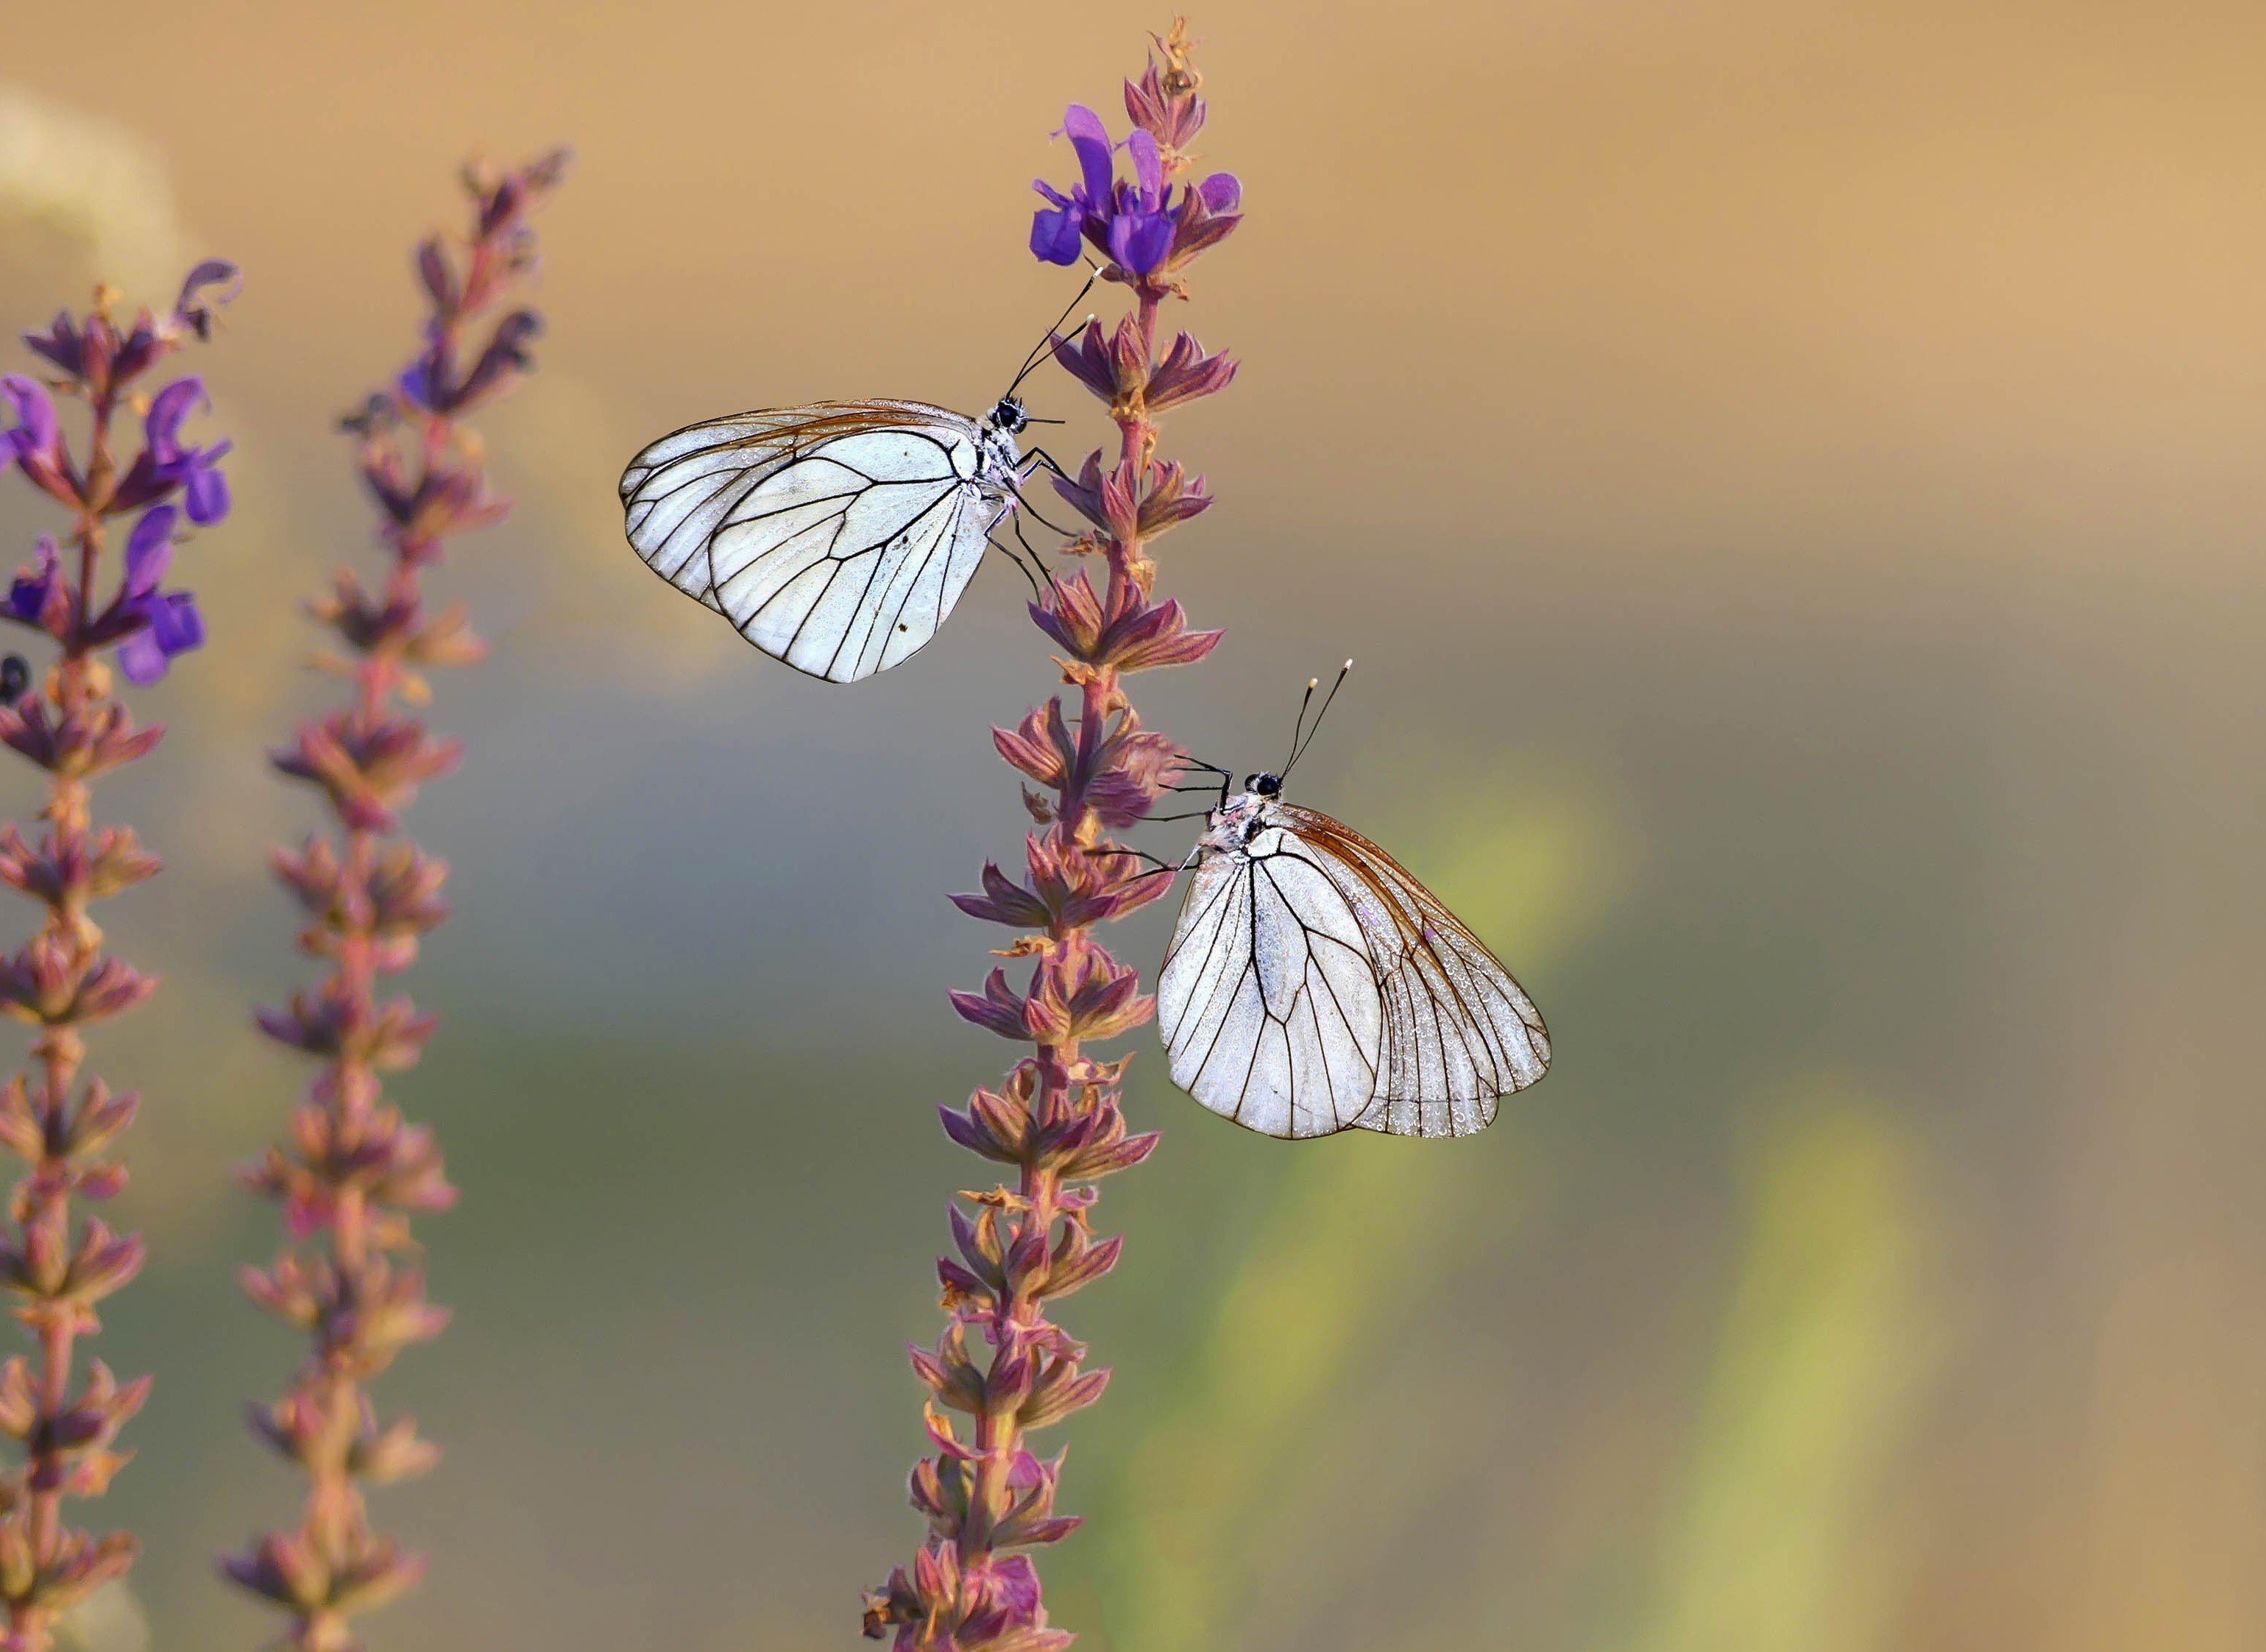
<point>1298,747</point>
<point>1299,729</point>
<point>1039,349</point>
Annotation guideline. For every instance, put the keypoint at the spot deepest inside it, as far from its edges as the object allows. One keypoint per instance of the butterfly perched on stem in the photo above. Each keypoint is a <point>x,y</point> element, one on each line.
<point>837,536</point>
<point>1313,985</point>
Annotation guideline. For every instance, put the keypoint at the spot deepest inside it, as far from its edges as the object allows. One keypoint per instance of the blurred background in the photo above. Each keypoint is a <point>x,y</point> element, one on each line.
<point>1791,474</point>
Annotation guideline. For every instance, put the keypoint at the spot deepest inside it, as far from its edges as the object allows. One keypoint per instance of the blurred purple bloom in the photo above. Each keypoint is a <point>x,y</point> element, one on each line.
<point>29,597</point>
<point>37,441</point>
<point>136,352</point>
<point>193,310</point>
<point>204,489</point>
<point>432,381</point>
<point>59,343</point>
<point>171,623</point>
<point>91,353</point>
<point>1136,223</point>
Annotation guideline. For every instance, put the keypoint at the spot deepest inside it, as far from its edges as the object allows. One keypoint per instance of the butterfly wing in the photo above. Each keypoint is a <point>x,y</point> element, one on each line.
<point>1271,1013</point>
<point>836,537</point>
<point>1460,1034</point>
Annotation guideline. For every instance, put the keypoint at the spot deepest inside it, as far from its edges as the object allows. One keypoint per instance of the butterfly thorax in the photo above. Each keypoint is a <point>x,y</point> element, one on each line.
<point>1232,827</point>
<point>998,463</point>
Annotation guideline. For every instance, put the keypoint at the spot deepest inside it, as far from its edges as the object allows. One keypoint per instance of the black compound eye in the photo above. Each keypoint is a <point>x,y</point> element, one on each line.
<point>1265,784</point>
<point>1009,415</point>
<point>15,677</point>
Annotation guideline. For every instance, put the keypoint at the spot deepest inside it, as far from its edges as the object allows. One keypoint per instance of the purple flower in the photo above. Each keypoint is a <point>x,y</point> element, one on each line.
<point>193,310</point>
<point>29,596</point>
<point>432,381</point>
<point>59,343</point>
<point>204,489</point>
<point>93,353</point>
<point>1136,222</point>
<point>171,624</point>
<point>36,443</point>
<point>1055,233</point>
<point>1221,194</point>
<point>1140,229</point>
<point>137,352</point>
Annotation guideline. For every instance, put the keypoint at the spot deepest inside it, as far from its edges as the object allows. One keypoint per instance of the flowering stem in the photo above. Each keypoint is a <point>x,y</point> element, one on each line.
<point>353,1172</point>
<point>75,727</point>
<point>1058,1118</point>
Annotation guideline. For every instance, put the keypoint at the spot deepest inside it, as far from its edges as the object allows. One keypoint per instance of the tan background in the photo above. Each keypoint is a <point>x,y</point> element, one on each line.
<point>1791,475</point>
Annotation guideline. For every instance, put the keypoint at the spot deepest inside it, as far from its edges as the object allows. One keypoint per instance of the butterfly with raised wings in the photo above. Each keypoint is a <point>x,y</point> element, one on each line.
<point>837,536</point>
<point>1313,985</point>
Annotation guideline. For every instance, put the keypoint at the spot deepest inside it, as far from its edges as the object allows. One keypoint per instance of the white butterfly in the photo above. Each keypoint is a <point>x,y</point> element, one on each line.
<point>836,537</point>
<point>1313,986</point>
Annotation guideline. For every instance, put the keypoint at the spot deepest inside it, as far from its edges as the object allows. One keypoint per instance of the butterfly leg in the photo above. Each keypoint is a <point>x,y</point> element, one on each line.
<point>1225,779</point>
<point>1047,461</point>
<point>1025,508</point>
<point>1019,567</point>
<point>1040,459</point>
<point>1158,865</point>
<point>1038,559</point>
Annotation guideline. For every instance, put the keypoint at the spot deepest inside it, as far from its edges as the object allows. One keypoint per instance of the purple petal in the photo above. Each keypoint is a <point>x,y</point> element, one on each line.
<point>1055,236</point>
<point>1148,166</point>
<point>207,274</point>
<point>35,431</point>
<point>194,311</point>
<point>136,353</point>
<point>176,624</point>
<point>416,384</point>
<point>205,493</point>
<point>1139,241</point>
<point>168,408</point>
<point>1091,139</point>
<point>59,343</point>
<point>1222,192</point>
<point>149,551</point>
<point>141,659</point>
<point>170,626</point>
<point>27,596</point>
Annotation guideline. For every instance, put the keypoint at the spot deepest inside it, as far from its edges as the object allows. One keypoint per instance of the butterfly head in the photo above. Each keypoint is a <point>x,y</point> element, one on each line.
<point>1263,784</point>
<point>1008,416</point>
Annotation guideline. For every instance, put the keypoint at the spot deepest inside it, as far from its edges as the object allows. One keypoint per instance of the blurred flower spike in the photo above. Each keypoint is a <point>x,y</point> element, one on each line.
<point>350,1172</point>
<point>167,479</point>
<point>86,595</point>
